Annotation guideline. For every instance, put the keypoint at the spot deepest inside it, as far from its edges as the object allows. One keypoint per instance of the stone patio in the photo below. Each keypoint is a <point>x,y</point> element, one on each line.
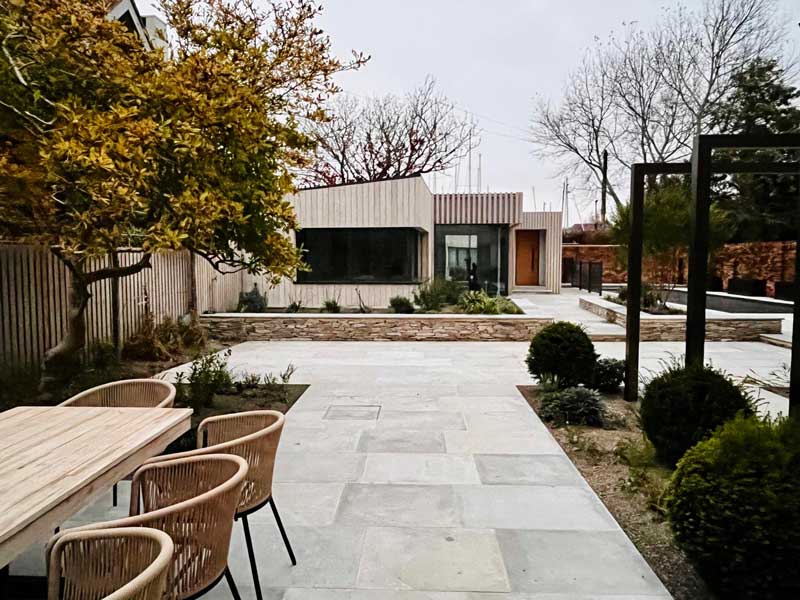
<point>413,471</point>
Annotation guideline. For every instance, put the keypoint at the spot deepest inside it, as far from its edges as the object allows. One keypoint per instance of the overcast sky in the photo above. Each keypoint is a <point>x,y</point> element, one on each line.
<point>491,57</point>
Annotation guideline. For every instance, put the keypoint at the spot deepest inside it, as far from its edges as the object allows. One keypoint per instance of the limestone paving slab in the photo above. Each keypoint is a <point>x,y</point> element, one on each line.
<point>402,441</point>
<point>405,505</point>
<point>420,468</point>
<point>432,559</point>
<point>576,562</point>
<point>526,469</point>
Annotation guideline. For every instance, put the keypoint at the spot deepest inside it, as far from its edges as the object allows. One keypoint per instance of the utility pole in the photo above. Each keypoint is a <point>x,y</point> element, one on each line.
<point>604,188</point>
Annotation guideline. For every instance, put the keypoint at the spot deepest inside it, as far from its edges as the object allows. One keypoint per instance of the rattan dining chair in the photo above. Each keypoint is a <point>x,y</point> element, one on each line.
<point>194,500</point>
<point>254,436</point>
<point>126,393</point>
<point>129,563</point>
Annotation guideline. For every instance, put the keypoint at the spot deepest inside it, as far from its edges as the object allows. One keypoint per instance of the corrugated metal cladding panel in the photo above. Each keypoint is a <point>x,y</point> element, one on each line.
<point>478,209</point>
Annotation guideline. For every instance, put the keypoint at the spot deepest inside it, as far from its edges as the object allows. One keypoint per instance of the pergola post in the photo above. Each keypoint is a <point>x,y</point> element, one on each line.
<point>794,381</point>
<point>633,302</point>
<point>698,251</point>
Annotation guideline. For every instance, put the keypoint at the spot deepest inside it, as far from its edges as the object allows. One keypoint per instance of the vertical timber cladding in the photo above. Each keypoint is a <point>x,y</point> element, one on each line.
<point>402,202</point>
<point>549,226</point>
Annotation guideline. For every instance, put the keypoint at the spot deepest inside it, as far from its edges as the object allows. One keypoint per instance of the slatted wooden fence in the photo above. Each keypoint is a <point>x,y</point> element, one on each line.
<point>34,287</point>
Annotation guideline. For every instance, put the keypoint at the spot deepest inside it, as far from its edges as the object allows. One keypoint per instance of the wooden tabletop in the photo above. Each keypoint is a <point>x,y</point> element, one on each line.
<point>56,460</point>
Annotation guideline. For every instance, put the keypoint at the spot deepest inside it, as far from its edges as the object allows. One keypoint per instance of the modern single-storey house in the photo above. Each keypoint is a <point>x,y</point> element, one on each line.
<point>381,239</point>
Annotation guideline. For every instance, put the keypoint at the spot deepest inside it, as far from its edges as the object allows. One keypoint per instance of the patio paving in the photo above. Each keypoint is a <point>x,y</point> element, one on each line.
<point>413,471</point>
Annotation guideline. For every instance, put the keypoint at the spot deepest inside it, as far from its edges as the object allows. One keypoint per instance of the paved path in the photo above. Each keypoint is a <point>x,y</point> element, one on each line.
<point>412,471</point>
<point>565,307</point>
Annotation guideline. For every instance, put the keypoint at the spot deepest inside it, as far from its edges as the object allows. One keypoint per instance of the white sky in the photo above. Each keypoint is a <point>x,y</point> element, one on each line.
<point>490,57</point>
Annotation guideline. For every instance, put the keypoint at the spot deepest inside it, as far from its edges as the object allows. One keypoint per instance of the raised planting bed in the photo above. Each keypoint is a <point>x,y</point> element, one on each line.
<point>240,327</point>
<point>672,328</point>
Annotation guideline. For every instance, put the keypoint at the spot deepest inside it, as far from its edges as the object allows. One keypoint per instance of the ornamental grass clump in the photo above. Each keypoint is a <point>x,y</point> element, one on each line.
<point>734,507</point>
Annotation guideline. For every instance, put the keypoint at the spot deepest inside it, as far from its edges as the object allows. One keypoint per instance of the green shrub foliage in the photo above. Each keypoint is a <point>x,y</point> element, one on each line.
<point>562,353</point>
<point>208,375</point>
<point>572,406</point>
<point>608,374</point>
<point>252,302</point>
<point>734,505</point>
<point>433,295</point>
<point>684,405</point>
<point>401,304</point>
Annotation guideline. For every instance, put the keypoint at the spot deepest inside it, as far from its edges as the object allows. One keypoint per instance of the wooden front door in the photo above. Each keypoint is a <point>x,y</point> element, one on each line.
<point>527,270</point>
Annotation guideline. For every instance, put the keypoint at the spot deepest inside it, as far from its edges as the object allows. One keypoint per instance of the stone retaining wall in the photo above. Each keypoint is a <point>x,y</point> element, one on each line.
<point>234,327</point>
<point>672,328</point>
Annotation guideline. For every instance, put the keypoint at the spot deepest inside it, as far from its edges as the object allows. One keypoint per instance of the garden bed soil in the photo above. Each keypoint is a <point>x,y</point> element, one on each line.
<point>280,397</point>
<point>618,465</point>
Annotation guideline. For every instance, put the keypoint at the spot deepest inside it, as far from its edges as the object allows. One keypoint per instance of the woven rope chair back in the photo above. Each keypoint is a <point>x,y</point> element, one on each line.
<point>254,436</point>
<point>194,500</point>
<point>128,393</point>
<point>109,564</point>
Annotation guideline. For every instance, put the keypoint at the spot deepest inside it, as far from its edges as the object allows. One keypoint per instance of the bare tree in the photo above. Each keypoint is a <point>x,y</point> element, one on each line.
<point>390,136</point>
<point>645,96</point>
<point>700,53</point>
<point>585,123</point>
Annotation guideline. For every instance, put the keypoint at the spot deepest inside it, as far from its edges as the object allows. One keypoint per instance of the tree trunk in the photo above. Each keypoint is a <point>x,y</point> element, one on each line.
<point>62,360</point>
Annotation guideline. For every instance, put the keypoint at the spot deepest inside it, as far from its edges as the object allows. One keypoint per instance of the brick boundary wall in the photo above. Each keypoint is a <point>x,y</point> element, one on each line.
<point>672,328</point>
<point>771,261</point>
<point>416,328</point>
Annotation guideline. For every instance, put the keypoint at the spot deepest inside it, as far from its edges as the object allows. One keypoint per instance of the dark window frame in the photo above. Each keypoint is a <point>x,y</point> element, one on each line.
<point>412,274</point>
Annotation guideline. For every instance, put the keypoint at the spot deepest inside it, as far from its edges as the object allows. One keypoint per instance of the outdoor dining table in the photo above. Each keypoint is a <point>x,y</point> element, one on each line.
<point>54,461</point>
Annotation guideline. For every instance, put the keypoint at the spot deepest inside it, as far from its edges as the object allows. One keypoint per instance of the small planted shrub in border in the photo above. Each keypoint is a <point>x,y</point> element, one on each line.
<point>432,295</point>
<point>401,304</point>
<point>562,353</point>
<point>331,306</point>
<point>478,302</point>
<point>734,506</point>
<point>572,406</point>
<point>684,405</point>
<point>608,374</point>
<point>252,301</point>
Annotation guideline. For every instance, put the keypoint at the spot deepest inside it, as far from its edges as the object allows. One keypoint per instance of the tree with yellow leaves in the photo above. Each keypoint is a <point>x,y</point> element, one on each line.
<point>107,144</point>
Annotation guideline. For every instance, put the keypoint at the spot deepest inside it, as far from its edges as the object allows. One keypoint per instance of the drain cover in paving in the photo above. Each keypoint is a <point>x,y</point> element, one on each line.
<point>349,412</point>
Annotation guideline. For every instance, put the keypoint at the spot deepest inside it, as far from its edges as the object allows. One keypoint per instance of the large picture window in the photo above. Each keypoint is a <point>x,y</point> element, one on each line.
<point>350,255</point>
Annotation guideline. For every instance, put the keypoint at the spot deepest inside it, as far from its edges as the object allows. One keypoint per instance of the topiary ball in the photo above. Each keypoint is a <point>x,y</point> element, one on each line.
<point>608,374</point>
<point>734,506</point>
<point>562,353</point>
<point>684,405</point>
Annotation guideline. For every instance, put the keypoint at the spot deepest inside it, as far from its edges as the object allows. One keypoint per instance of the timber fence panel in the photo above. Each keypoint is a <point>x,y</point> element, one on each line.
<point>34,298</point>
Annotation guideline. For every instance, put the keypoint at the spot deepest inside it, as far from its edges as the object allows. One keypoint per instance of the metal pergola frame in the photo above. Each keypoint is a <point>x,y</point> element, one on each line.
<point>701,168</point>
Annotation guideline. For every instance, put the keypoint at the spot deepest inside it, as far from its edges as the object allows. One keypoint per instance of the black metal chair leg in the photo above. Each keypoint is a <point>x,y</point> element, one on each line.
<point>232,584</point>
<point>252,555</point>
<point>114,495</point>
<point>283,531</point>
